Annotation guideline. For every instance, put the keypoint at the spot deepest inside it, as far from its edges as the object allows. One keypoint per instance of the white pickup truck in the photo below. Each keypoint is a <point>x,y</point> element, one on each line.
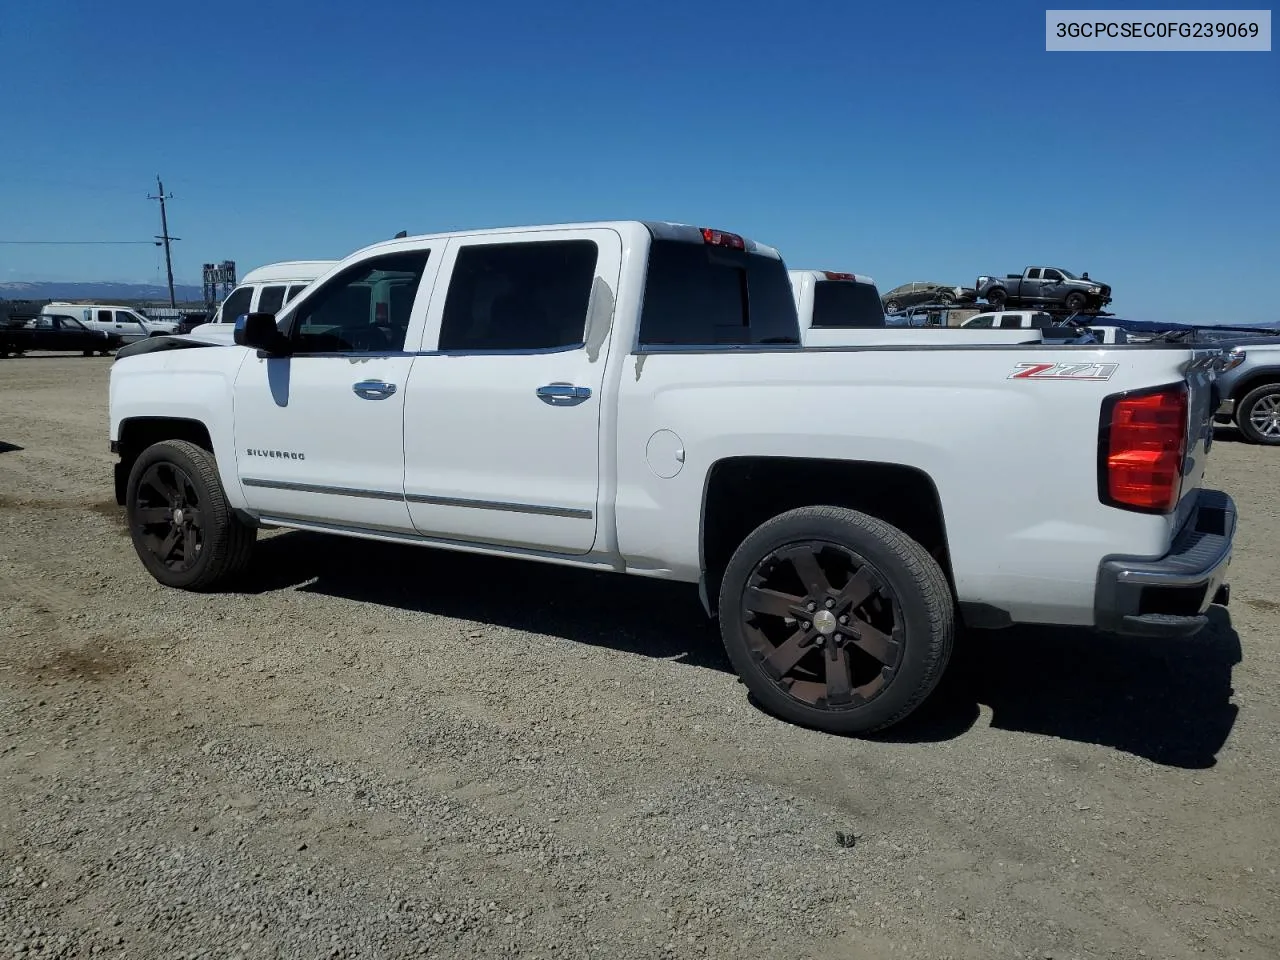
<point>634,397</point>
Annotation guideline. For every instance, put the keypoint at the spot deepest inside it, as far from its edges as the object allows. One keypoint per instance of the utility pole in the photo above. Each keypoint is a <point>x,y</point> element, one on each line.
<point>164,230</point>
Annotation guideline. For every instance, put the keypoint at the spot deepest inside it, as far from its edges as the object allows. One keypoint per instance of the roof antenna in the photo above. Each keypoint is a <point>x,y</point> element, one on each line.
<point>401,235</point>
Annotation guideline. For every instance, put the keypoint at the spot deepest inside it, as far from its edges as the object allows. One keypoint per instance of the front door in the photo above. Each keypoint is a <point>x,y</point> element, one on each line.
<point>502,420</point>
<point>319,433</point>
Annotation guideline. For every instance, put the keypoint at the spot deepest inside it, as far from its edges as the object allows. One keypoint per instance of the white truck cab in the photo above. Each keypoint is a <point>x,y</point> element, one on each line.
<point>265,289</point>
<point>125,322</point>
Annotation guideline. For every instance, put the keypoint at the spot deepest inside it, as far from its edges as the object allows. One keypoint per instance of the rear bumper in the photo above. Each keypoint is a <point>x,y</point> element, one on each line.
<point>1168,597</point>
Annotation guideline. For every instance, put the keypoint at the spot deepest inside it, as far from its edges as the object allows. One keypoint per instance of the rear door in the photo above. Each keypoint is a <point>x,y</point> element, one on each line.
<point>502,414</point>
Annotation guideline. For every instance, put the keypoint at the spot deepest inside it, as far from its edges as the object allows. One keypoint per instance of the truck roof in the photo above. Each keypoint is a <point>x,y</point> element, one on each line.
<point>287,270</point>
<point>658,229</point>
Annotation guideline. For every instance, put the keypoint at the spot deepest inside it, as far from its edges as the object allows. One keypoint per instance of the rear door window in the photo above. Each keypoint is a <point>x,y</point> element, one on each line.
<point>700,295</point>
<point>519,296</point>
<point>296,289</point>
<point>840,303</point>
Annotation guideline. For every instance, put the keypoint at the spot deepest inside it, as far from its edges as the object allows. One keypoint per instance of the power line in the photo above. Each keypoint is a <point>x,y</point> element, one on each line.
<point>34,243</point>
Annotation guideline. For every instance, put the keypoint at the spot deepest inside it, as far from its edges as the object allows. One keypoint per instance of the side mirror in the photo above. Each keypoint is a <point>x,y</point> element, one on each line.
<point>258,330</point>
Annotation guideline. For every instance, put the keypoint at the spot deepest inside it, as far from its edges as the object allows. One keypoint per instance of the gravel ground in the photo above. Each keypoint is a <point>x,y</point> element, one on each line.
<point>384,752</point>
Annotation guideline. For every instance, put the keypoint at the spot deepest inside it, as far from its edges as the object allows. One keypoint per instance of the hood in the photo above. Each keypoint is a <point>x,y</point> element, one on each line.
<point>166,342</point>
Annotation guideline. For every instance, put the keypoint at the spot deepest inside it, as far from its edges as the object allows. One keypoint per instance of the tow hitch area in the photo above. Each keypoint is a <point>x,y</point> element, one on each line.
<point>1223,596</point>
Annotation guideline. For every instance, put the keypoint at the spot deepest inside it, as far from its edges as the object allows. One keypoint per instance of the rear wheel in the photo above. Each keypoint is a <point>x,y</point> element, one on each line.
<point>892,306</point>
<point>1258,415</point>
<point>947,296</point>
<point>997,297</point>
<point>836,620</point>
<point>183,529</point>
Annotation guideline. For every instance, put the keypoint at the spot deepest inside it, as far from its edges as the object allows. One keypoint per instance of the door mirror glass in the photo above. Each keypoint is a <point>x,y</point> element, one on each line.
<point>258,331</point>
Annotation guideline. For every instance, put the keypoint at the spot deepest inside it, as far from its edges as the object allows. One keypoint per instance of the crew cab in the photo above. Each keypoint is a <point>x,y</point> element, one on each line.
<point>1044,285</point>
<point>634,397</point>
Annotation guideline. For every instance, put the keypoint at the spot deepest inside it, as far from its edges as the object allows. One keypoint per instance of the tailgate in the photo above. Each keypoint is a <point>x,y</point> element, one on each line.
<point>1201,373</point>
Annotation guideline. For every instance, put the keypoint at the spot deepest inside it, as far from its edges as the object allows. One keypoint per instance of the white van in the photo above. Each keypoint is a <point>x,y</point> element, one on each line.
<point>125,322</point>
<point>265,289</point>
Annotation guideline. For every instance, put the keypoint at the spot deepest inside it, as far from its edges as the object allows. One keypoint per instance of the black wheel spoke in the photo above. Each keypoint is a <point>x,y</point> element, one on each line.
<point>872,641</point>
<point>789,653</point>
<point>150,515</point>
<point>170,543</point>
<point>855,593</point>
<point>774,603</point>
<point>809,570</point>
<point>839,679</point>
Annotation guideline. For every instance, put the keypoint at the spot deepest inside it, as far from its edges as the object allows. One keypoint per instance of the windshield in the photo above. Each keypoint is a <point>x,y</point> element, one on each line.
<point>1068,274</point>
<point>839,303</point>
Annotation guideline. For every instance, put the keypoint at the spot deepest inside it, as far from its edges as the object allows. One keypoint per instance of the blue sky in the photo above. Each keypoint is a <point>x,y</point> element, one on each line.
<point>907,141</point>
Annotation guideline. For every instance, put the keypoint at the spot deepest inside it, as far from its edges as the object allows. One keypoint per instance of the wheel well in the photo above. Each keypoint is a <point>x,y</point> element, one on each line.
<point>1261,378</point>
<point>744,492</point>
<point>138,433</point>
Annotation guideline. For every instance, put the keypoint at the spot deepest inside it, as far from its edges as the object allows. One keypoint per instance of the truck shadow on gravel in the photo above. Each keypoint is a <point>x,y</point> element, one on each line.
<point>1168,701</point>
<point>630,614</point>
<point>9,447</point>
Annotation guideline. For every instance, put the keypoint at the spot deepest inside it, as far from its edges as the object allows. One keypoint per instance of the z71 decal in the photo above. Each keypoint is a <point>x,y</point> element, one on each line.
<point>1063,371</point>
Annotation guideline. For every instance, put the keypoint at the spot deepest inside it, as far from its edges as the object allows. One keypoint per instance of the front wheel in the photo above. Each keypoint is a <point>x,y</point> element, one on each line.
<point>1258,415</point>
<point>947,296</point>
<point>1076,302</point>
<point>893,306</point>
<point>182,527</point>
<point>836,620</point>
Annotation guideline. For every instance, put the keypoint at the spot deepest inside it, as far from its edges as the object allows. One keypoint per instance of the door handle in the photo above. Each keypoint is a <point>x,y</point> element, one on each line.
<point>373,389</point>
<point>562,394</point>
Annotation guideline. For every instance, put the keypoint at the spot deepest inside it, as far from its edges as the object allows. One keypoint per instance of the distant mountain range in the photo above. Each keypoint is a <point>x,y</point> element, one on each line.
<point>104,291</point>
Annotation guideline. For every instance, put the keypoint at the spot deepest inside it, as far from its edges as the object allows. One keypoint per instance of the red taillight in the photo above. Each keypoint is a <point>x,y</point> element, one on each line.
<point>380,313</point>
<point>838,276</point>
<point>1144,440</point>
<point>718,238</point>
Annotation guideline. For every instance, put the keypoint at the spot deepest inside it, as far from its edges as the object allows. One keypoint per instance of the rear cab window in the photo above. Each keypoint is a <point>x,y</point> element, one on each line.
<point>700,295</point>
<point>846,304</point>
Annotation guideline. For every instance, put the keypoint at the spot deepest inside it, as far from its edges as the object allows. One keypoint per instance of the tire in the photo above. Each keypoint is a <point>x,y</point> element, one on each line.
<point>216,545</point>
<point>997,297</point>
<point>1258,415</point>
<point>896,639</point>
<point>893,306</point>
<point>947,296</point>
<point>1076,301</point>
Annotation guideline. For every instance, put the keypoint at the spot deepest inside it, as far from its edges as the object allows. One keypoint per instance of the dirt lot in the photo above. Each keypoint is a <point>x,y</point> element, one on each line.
<point>389,752</point>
